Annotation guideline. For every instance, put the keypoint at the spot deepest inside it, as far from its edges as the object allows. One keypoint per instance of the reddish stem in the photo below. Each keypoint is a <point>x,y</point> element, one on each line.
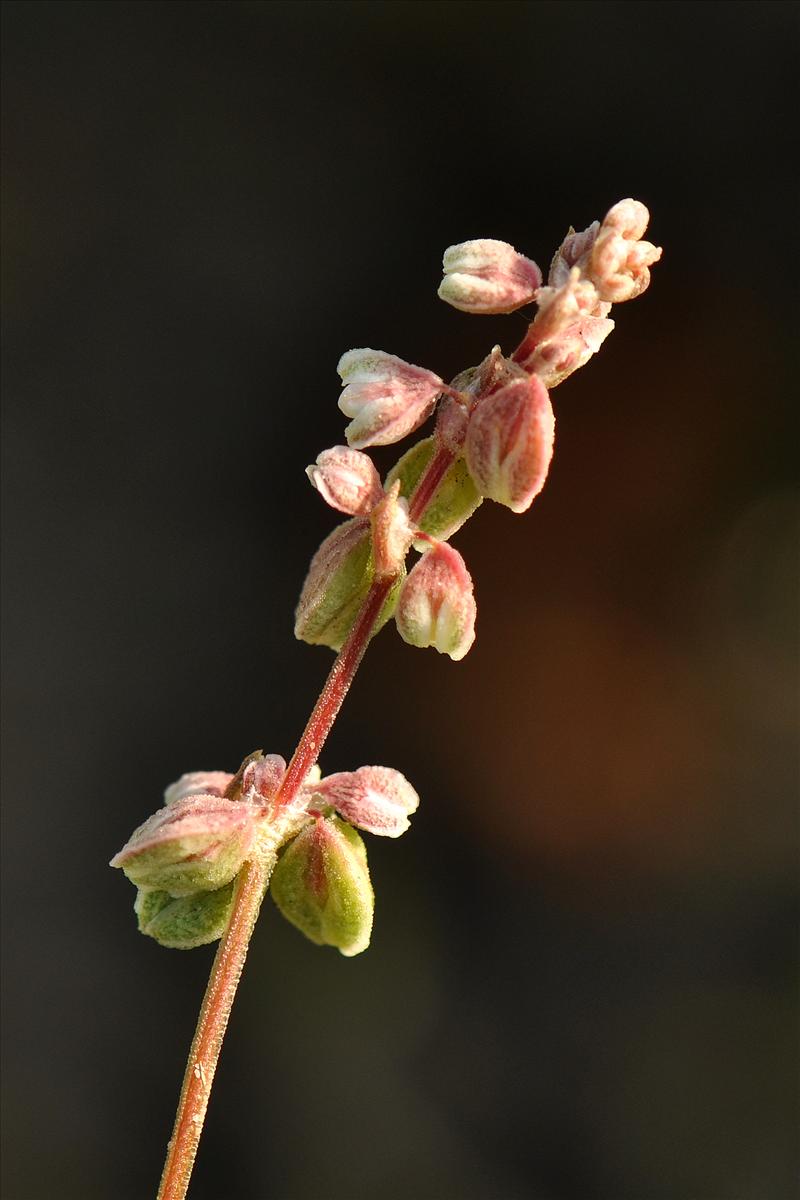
<point>332,696</point>
<point>250,888</point>
<point>254,876</point>
<point>437,469</point>
<point>211,1025</point>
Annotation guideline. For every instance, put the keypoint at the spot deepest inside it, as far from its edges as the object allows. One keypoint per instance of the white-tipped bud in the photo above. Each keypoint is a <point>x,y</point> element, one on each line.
<point>487,276</point>
<point>510,443</point>
<point>553,361</point>
<point>619,261</point>
<point>376,799</point>
<point>347,480</point>
<point>197,783</point>
<point>386,397</point>
<point>560,307</point>
<point>436,606</point>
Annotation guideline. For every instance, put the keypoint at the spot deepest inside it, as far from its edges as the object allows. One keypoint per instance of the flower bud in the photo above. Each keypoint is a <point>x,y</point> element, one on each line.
<point>561,307</point>
<point>573,252</point>
<point>198,783</point>
<point>619,262</point>
<point>553,361</point>
<point>386,397</point>
<point>376,799</point>
<point>321,884</point>
<point>262,778</point>
<point>486,276</point>
<point>391,534</point>
<point>510,443</point>
<point>192,845</point>
<point>338,580</point>
<point>346,479</point>
<point>436,606</point>
<point>182,924</point>
<point>454,500</point>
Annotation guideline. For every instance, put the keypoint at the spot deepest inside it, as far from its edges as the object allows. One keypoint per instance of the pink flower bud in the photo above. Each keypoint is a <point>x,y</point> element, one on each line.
<point>391,533</point>
<point>553,361</point>
<point>510,443</point>
<point>198,783</point>
<point>347,480</point>
<point>436,606</point>
<point>376,799</point>
<point>619,261</point>
<point>196,844</point>
<point>561,307</point>
<point>573,251</point>
<point>386,397</point>
<point>486,276</point>
<point>262,778</point>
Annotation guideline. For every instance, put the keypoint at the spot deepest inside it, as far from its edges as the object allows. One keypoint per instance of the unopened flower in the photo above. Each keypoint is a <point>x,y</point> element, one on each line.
<point>185,922</point>
<point>376,799</point>
<point>195,844</point>
<point>560,307</point>
<point>321,884</point>
<point>554,360</point>
<point>386,397</point>
<point>338,579</point>
<point>510,443</point>
<point>198,783</point>
<point>436,606</point>
<point>347,480</point>
<point>262,777</point>
<point>487,276</point>
<point>619,261</point>
<point>573,252</point>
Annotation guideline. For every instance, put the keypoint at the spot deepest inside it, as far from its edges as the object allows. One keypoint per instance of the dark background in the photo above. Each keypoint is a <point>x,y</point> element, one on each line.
<point>581,983</point>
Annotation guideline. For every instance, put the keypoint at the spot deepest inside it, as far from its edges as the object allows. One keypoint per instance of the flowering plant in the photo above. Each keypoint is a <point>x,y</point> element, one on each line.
<point>204,861</point>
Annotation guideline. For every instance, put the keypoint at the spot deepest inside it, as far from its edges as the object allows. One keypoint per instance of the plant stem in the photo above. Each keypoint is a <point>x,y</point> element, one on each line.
<point>250,890</point>
<point>436,470</point>
<point>211,1024</point>
<point>254,876</point>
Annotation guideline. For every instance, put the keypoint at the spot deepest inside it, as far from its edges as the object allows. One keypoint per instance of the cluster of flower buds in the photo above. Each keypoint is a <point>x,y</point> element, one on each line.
<point>185,858</point>
<point>493,438</point>
<point>605,264</point>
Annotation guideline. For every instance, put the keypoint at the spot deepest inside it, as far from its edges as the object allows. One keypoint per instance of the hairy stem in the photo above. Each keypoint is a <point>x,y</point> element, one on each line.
<point>211,1024</point>
<point>254,877</point>
<point>251,887</point>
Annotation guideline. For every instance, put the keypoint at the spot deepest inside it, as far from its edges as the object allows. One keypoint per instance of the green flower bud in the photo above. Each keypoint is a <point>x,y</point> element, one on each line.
<point>455,499</point>
<point>195,844</point>
<point>321,884</point>
<point>187,922</point>
<point>337,583</point>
